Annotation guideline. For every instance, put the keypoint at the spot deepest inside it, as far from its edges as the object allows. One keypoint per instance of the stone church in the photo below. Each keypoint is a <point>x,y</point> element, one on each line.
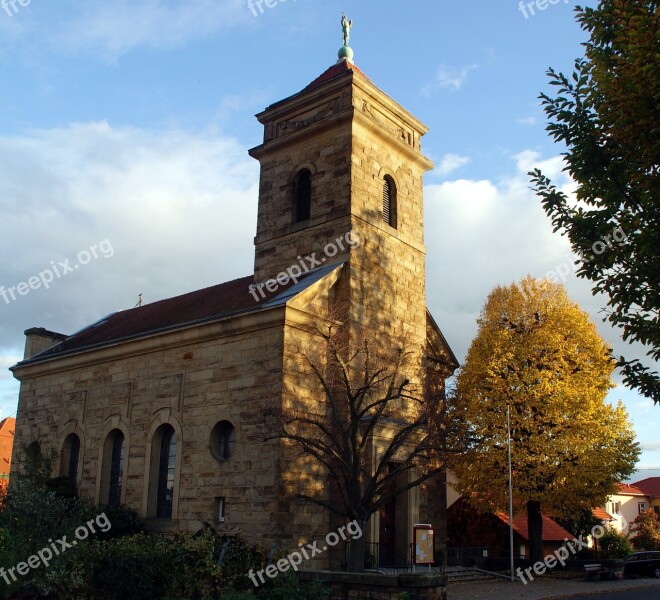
<point>159,408</point>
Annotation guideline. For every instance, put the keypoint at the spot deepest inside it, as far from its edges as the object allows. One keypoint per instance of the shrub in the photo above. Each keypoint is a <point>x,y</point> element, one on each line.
<point>613,544</point>
<point>287,586</point>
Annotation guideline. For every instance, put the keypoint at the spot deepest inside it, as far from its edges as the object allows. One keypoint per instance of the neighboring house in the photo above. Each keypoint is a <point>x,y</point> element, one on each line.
<point>163,407</point>
<point>7,427</point>
<point>468,528</point>
<point>625,506</point>
<point>651,487</point>
<point>602,515</point>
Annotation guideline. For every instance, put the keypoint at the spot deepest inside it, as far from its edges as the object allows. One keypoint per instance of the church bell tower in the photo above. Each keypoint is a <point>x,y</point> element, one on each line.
<point>343,158</point>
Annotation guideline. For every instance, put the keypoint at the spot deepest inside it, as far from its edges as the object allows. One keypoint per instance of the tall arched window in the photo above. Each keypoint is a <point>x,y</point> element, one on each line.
<point>303,196</point>
<point>114,450</point>
<point>389,201</point>
<point>70,459</point>
<point>166,439</point>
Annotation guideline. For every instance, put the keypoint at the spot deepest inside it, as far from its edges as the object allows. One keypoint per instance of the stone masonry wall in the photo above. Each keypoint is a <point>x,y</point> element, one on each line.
<point>193,387</point>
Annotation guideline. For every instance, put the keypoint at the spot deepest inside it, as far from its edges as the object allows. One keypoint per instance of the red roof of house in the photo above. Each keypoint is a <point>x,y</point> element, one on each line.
<point>7,427</point>
<point>649,486</point>
<point>552,531</point>
<point>601,514</point>
<point>624,489</point>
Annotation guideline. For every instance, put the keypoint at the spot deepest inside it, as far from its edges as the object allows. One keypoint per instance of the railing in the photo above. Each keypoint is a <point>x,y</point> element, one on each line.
<point>465,557</point>
<point>371,555</point>
<point>444,557</point>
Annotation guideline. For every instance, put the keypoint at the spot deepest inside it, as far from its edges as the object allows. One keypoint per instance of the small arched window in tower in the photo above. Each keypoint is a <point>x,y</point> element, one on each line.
<point>223,440</point>
<point>33,455</point>
<point>303,196</point>
<point>389,201</point>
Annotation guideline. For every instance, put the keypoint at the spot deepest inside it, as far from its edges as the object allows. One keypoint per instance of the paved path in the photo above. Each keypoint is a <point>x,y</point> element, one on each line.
<point>634,594</point>
<point>543,589</point>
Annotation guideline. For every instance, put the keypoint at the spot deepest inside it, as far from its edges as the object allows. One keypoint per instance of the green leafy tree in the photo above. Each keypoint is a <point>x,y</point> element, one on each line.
<point>608,116</point>
<point>646,530</point>
<point>538,353</point>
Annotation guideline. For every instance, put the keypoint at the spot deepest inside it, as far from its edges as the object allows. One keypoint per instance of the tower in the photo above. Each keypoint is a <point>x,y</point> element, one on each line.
<point>341,156</point>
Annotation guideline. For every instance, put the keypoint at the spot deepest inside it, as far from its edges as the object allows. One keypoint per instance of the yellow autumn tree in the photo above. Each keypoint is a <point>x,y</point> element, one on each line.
<point>539,353</point>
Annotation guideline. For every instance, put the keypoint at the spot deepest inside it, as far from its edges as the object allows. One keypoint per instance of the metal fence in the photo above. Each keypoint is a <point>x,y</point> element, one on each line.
<point>444,557</point>
<point>465,557</point>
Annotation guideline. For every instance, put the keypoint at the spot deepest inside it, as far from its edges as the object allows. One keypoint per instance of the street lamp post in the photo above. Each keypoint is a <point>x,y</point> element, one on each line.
<point>508,443</point>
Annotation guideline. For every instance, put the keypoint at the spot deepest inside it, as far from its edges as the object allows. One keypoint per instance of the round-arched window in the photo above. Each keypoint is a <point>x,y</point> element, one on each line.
<point>223,440</point>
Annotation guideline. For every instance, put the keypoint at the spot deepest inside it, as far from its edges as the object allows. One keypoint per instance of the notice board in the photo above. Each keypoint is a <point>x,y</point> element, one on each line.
<point>423,545</point>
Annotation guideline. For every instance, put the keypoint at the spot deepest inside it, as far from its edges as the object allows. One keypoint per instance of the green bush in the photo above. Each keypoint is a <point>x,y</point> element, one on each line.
<point>614,545</point>
<point>287,586</point>
<point>123,563</point>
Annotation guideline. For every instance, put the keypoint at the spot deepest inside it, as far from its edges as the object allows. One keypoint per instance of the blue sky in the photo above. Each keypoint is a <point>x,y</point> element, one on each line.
<point>129,123</point>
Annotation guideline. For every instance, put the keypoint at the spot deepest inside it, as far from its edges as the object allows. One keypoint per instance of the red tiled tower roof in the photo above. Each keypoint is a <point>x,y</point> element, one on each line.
<point>335,70</point>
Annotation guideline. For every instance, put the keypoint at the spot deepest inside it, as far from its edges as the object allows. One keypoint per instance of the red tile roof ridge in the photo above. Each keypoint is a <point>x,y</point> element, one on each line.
<point>649,486</point>
<point>601,514</point>
<point>627,489</point>
<point>552,531</point>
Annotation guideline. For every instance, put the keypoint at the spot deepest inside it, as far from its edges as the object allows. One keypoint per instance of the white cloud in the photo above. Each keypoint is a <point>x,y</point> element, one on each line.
<point>6,361</point>
<point>179,209</point>
<point>481,233</point>
<point>448,77</point>
<point>647,405</point>
<point>450,163</point>
<point>527,120</point>
<point>651,446</point>
<point>115,28</point>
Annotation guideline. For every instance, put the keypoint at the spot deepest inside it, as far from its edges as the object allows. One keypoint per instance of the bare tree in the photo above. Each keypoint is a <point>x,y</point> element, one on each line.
<point>377,431</point>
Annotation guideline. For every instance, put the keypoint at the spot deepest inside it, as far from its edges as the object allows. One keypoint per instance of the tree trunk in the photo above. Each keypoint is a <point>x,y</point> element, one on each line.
<point>356,550</point>
<point>535,530</point>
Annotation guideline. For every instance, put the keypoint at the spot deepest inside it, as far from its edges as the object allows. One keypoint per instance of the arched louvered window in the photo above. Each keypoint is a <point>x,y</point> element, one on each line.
<point>389,201</point>
<point>166,471</point>
<point>303,196</point>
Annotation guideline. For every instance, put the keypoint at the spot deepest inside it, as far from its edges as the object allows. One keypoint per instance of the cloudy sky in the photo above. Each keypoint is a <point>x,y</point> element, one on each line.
<point>124,130</point>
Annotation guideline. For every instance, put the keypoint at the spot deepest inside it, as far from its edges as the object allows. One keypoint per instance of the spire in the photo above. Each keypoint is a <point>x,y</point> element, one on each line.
<point>346,52</point>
